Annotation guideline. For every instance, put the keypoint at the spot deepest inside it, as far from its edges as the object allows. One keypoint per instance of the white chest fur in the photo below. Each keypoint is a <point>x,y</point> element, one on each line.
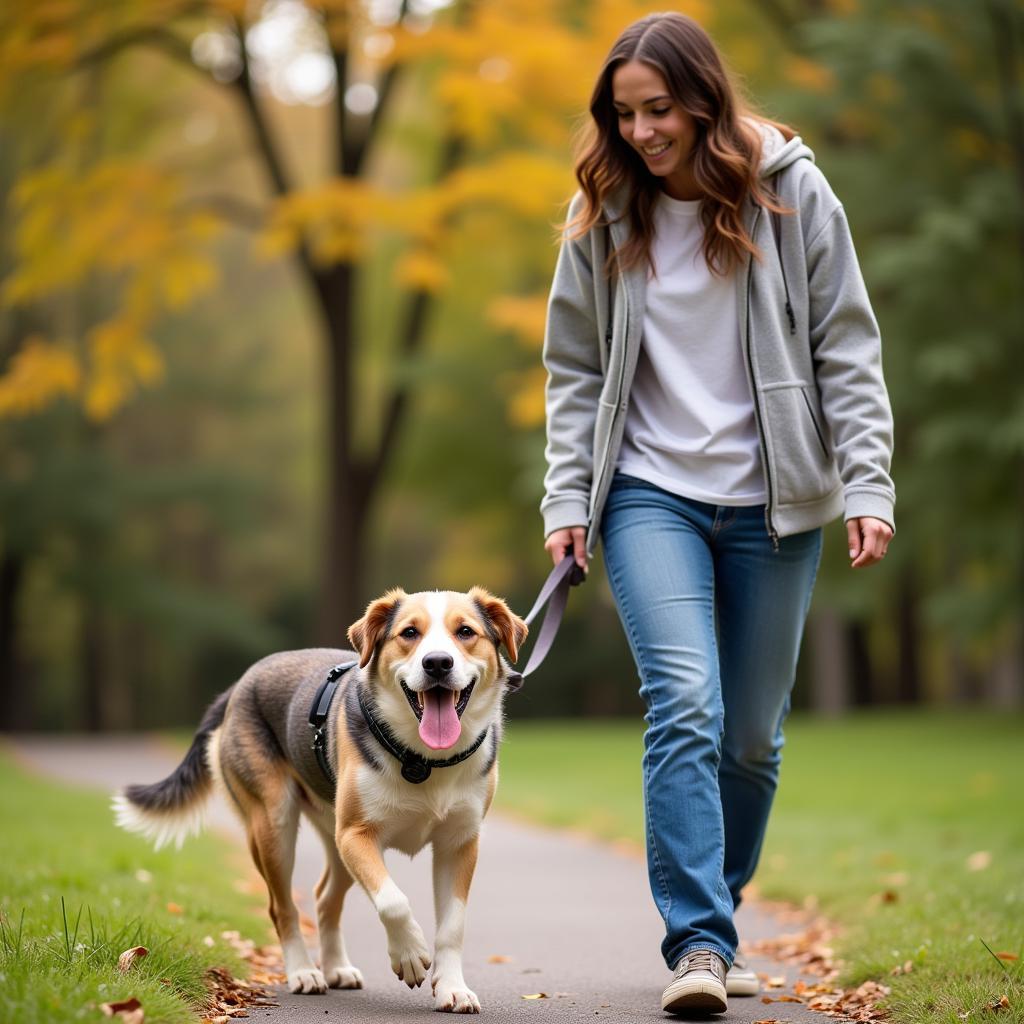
<point>408,817</point>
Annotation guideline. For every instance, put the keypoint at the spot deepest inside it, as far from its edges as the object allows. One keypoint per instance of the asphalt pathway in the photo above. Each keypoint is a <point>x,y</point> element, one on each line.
<point>570,918</point>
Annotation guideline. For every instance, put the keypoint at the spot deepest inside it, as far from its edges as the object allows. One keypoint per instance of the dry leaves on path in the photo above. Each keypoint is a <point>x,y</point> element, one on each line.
<point>811,952</point>
<point>230,997</point>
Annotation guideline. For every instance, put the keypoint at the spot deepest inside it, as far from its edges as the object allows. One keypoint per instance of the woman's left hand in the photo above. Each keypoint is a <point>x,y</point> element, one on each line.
<point>869,538</point>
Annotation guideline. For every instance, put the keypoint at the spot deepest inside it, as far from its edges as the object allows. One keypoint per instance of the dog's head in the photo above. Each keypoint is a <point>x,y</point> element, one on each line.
<point>434,660</point>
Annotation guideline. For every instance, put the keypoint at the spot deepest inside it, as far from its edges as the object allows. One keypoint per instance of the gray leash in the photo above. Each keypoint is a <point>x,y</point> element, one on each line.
<point>556,591</point>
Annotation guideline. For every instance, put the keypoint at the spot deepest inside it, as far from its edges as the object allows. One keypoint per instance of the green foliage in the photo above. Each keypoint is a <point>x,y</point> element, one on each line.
<point>922,134</point>
<point>76,892</point>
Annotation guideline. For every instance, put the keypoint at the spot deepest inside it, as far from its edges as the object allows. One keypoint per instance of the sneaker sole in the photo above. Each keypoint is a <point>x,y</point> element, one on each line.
<point>742,986</point>
<point>699,995</point>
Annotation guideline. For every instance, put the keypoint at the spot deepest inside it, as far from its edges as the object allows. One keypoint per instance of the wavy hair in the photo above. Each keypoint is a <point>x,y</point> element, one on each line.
<point>726,154</point>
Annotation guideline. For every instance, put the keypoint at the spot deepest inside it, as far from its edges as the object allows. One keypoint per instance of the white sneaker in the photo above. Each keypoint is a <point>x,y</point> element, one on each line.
<point>741,980</point>
<point>698,984</point>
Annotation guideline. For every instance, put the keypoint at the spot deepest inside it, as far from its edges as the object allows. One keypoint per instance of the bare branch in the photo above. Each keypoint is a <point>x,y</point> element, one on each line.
<point>264,143</point>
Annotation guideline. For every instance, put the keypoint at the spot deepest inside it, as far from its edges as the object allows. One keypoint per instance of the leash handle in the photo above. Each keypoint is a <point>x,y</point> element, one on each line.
<point>556,591</point>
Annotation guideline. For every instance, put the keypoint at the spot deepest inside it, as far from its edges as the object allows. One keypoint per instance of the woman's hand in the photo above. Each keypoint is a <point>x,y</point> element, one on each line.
<point>869,538</point>
<point>572,538</point>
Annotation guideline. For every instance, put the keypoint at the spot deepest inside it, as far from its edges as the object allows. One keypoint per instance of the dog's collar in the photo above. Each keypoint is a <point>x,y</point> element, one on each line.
<point>318,717</point>
<point>415,767</point>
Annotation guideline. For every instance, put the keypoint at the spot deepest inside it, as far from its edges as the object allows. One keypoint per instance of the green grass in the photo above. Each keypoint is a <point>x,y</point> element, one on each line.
<point>879,820</point>
<point>75,892</point>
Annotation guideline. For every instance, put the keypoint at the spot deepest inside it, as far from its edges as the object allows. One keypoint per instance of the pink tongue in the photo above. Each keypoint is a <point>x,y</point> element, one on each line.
<point>440,726</point>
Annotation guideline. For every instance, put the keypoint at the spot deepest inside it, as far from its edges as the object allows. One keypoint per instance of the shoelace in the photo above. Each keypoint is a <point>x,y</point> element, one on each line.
<point>699,959</point>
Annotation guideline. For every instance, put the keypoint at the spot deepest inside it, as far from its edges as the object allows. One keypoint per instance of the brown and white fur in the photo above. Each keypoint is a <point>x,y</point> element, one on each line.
<point>254,745</point>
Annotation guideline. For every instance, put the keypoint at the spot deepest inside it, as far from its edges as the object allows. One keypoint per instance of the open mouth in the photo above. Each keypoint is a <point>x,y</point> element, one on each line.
<point>439,712</point>
<point>418,700</point>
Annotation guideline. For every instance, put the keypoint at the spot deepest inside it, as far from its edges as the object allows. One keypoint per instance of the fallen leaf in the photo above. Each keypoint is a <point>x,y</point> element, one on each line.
<point>1007,956</point>
<point>1002,1003</point>
<point>129,1010</point>
<point>499,959</point>
<point>979,861</point>
<point>129,956</point>
<point>777,982</point>
<point>173,908</point>
<point>890,896</point>
<point>536,995</point>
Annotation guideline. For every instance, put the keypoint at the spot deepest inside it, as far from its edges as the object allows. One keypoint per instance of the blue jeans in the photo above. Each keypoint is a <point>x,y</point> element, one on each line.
<point>714,618</point>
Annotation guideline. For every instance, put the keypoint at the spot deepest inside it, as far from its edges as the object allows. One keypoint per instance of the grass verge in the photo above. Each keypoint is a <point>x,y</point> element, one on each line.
<point>75,892</point>
<point>906,828</point>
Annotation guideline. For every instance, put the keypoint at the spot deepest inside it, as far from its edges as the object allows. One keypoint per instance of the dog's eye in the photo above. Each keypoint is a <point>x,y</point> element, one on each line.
<point>465,633</point>
<point>410,633</point>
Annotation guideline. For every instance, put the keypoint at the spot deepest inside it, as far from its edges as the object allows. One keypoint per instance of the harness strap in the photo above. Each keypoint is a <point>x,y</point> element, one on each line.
<point>318,717</point>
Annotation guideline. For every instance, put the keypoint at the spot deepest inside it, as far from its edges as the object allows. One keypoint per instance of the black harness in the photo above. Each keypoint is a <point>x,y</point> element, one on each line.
<point>415,767</point>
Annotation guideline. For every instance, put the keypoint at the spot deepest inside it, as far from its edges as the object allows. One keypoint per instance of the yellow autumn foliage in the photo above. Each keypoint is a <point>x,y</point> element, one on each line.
<point>40,373</point>
<point>422,270</point>
<point>522,315</point>
<point>525,404</point>
<point>809,75</point>
<point>121,360</point>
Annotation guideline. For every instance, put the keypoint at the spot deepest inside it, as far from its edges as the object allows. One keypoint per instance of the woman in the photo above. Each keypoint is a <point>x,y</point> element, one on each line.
<point>715,396</point>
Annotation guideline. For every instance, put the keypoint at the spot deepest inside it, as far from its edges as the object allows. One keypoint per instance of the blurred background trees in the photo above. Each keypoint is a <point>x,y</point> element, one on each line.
<point>273,286</point>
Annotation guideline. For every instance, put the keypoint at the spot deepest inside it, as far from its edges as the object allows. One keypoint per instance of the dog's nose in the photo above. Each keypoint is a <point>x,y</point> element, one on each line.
<point>437,664</point>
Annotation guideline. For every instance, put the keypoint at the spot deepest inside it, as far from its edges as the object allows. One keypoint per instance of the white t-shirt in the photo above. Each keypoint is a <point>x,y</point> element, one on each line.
<point>690,427</point>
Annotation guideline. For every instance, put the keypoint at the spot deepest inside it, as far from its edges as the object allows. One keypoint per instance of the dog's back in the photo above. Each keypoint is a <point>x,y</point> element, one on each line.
<point>255,726</point>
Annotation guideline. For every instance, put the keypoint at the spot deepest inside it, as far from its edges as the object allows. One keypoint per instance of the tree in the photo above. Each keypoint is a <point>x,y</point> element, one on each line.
<point>482,83</point>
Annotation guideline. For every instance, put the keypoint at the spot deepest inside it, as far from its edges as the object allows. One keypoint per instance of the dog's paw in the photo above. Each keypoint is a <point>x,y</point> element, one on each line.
<point>455,999</point>
<point>410,958</point>
<point>306,979</point>
<point>344,977</point>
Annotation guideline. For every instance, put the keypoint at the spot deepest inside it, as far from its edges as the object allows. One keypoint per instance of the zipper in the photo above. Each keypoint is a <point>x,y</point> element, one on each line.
<point>769,525</point>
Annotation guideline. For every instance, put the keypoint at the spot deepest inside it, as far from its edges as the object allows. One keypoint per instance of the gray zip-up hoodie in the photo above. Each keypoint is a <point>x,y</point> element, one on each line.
<point>822,412</point>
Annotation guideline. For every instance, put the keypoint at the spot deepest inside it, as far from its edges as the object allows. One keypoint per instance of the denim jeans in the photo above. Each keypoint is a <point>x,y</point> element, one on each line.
<point>714,618</point>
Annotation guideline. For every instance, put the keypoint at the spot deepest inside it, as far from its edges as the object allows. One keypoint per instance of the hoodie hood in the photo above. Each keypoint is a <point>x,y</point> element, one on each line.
<point>777,153</point>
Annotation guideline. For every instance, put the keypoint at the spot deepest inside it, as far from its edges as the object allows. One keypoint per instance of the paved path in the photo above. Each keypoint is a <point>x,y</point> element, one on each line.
<point>574,917</point>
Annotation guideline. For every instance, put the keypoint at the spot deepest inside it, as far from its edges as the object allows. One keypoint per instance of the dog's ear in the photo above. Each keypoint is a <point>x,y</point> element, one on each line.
<point>511,629</point>
<point>365,634</point>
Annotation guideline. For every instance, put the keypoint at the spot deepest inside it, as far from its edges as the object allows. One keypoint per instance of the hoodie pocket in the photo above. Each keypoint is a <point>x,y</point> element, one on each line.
<point>804,468</point>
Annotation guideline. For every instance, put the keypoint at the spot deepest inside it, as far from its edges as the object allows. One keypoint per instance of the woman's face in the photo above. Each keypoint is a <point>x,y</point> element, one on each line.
<point>656,126</point>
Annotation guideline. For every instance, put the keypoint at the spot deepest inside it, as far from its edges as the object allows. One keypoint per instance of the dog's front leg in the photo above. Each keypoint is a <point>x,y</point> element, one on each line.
<point>454,863</point>
<point>407,947</point>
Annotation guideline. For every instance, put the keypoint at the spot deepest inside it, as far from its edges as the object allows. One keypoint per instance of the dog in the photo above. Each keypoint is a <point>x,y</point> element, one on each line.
<point>426,678</point>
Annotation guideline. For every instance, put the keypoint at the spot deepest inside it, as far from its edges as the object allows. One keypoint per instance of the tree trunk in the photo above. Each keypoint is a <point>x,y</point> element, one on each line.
<point>14,695</point>
<point>342,591</point>
<point>908,685</point>
<point>830,665</point>
<point>92,668</point>
<point>863,688</point>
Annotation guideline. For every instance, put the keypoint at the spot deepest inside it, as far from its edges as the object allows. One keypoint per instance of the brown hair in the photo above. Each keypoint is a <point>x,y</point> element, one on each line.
<point>726,154</point>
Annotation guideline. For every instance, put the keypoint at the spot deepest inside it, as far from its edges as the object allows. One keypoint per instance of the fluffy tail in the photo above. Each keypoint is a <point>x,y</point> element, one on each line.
<point>172,809</point>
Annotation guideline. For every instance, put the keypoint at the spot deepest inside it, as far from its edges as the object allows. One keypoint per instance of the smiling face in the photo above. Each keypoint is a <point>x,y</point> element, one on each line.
<point>656,126</point>
<point>435,655</point>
